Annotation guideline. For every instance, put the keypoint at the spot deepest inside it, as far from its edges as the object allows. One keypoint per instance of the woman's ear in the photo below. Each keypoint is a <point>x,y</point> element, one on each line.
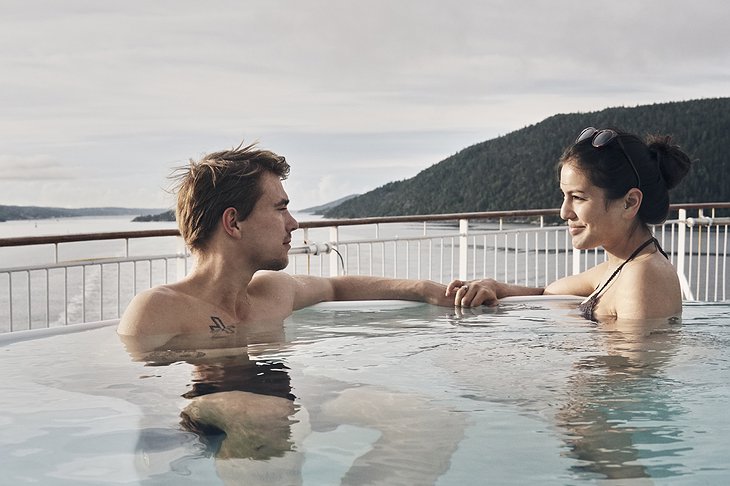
<point>230,222</point>
<point>632,202</point>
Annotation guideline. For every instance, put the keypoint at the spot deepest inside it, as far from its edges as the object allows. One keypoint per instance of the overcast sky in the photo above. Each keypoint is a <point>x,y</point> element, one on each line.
<point>99,100</point>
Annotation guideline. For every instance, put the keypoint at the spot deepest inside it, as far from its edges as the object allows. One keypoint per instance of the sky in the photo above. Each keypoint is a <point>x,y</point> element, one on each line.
<point>99,101</point>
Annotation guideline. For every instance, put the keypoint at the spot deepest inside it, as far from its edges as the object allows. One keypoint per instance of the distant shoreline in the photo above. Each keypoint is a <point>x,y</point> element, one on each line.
<point>22,213</point>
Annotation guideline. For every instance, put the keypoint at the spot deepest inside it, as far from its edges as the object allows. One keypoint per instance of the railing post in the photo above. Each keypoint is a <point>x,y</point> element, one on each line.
<point>305,240</point>
<point>334,239</point>
<point>463,247</point>
<point>681,250</point>
<point>576,260</point>
<point>182,261</point>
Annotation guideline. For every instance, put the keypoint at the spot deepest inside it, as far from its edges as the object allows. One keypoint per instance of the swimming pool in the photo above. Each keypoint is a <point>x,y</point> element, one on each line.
<point>378,393</point>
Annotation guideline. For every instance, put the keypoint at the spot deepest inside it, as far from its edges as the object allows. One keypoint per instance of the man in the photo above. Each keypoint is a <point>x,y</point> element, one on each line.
<point>232,211</point>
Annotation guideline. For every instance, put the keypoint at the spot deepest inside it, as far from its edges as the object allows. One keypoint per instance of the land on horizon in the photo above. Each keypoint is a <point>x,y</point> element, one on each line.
<point>16,213</point>
<point>518,170</point>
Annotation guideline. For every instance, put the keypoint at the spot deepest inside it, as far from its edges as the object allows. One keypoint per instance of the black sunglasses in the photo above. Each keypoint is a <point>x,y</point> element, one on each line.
<point>601,138</point>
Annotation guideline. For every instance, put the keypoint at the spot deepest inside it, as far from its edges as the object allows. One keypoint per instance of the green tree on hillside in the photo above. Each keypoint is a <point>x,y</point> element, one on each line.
<point>517,170</point>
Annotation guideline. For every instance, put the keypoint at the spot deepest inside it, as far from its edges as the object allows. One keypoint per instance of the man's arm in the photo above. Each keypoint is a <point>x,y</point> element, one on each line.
<point>312,290</point>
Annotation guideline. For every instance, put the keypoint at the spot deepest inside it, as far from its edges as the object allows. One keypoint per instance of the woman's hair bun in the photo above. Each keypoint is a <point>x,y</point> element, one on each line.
<point>673,163</point>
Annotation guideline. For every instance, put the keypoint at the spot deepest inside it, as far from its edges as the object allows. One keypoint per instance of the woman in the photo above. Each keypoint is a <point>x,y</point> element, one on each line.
<point>614,185</point>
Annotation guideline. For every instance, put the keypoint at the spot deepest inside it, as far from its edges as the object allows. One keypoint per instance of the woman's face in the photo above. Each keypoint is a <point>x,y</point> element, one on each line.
<point>592,220</point>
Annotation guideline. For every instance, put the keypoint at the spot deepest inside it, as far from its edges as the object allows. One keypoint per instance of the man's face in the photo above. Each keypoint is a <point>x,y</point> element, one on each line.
<point>269,227</point>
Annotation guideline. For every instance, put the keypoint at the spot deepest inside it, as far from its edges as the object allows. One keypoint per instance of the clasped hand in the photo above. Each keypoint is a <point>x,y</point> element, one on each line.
<point>473,293</point>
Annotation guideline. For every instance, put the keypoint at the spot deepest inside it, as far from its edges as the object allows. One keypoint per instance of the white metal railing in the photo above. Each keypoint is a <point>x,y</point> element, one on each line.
<point>514,246</point>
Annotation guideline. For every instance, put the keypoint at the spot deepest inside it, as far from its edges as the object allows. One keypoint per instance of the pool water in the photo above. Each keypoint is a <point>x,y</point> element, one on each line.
<point>378,393</point>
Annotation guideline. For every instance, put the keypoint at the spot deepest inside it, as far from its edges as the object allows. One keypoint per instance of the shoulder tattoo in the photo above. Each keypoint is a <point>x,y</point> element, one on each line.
<point>219,329</point>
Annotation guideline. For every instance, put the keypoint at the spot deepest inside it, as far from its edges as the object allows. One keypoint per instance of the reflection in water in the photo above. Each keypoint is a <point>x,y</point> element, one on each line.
<point>243,407</point>
<point>620,409</point>
<point>239,373</point>
<point>239,407</point>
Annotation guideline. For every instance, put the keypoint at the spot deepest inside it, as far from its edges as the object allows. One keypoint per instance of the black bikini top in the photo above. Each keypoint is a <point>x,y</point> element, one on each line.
<point>587,306</point>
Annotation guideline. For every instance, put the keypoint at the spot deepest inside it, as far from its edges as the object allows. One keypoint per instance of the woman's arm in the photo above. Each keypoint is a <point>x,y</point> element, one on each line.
<point>489,291</point>
<point>582,284</point>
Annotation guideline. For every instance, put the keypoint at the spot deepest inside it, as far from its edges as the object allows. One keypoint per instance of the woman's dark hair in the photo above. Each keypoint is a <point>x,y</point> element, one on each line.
<point>660,163</point>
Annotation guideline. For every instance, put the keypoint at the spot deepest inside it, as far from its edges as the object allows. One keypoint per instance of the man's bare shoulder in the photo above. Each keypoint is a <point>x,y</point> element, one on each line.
<point>290,292</point>
<point>271,277</point>
<point>154,311</point>
<point>267,281</point>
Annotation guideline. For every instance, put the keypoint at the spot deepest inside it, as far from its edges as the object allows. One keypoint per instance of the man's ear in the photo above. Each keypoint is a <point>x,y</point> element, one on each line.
<point>229,220</point>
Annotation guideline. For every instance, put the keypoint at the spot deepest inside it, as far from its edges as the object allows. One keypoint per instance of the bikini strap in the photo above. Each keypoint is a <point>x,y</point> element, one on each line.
<point>631,257</point>
<point>659,247</point>
<point>638,250</point>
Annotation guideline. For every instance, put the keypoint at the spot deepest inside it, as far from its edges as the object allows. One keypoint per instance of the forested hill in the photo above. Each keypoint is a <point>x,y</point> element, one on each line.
<point>517,170</point>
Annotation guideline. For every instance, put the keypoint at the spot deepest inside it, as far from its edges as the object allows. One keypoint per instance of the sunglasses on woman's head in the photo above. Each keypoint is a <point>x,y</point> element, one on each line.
<point>601,138</point>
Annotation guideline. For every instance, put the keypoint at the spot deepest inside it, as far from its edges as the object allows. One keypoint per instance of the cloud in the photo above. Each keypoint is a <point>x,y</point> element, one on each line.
<point>344,89</point>
<point>34,168</point>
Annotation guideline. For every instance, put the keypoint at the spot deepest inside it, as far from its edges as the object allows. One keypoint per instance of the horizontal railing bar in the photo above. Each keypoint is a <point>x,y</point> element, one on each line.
<point>325,223</point>
<point>455,234</point>
<point>74,238</point>
<point>312,249</point>
<point>92,262</point>
<point>473,215</point>
<point>706,221</point>
<point>429,217</point>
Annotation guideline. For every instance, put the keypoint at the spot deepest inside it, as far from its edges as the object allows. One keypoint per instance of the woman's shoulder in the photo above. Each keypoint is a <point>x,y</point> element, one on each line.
<point>650,269</point>
<point>649,288</point>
